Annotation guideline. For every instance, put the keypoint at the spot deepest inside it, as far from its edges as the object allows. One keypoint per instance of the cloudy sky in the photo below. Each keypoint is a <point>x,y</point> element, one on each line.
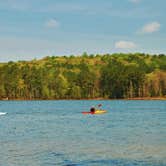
<point>36,28</point>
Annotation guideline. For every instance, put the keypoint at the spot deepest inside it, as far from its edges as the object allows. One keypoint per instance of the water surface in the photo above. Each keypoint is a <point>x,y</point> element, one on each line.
<point>49,133</point>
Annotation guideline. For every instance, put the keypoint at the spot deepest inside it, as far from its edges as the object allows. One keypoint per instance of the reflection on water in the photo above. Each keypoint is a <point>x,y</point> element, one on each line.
<point>51,133</point>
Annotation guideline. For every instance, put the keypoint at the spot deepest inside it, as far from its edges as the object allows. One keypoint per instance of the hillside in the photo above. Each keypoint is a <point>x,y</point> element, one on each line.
<point>87,76</point>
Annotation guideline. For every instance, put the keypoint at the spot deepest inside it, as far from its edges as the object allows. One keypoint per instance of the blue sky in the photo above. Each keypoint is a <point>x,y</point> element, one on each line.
<point>36,28</point>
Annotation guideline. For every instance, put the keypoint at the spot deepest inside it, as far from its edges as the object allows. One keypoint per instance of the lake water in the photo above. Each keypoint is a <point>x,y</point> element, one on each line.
<point>50,133</point>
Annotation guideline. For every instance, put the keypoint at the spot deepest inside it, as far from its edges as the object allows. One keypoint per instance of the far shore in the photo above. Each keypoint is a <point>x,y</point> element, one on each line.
<point>135,98</point>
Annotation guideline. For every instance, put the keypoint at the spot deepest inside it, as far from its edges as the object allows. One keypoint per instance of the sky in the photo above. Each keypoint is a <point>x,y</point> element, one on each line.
<point>32,29</point>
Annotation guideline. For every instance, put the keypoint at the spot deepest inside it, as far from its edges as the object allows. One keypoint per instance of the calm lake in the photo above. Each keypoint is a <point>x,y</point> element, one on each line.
<point>50,133</point>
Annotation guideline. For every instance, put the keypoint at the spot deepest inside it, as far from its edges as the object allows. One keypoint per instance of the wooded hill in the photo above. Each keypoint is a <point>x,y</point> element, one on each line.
<point>87,76</point>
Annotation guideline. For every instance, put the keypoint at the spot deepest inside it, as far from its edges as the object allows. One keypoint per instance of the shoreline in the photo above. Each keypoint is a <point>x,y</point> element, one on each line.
<point>135,98</point>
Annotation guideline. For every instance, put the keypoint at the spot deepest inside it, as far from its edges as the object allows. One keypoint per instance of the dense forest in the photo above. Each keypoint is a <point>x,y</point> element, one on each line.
<point>85,77</point>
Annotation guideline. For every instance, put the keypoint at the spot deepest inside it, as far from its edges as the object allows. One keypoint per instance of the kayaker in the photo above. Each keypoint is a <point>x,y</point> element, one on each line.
<point>92,109</point>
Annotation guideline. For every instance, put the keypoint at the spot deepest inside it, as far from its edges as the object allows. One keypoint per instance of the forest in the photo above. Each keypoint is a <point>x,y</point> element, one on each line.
<point>88,76</point>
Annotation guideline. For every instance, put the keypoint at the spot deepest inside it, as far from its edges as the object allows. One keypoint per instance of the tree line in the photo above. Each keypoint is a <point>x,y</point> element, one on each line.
<point>85,77</point>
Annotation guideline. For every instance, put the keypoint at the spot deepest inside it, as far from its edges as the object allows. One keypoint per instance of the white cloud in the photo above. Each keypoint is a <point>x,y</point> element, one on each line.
<point>151,27</point>
<point>125,45</point>
<point>135,1</point>
<point>52,23</point>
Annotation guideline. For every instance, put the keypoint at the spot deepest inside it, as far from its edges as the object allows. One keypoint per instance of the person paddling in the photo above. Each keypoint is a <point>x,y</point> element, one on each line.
<point>93,109</point>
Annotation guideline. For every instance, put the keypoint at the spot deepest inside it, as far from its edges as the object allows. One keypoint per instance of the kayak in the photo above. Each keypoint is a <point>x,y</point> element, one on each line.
<point>96,112</point>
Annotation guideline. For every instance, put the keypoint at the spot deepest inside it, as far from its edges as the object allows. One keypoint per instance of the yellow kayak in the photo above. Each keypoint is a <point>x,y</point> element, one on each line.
<point>96,112</point>
<point>100,111</point>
